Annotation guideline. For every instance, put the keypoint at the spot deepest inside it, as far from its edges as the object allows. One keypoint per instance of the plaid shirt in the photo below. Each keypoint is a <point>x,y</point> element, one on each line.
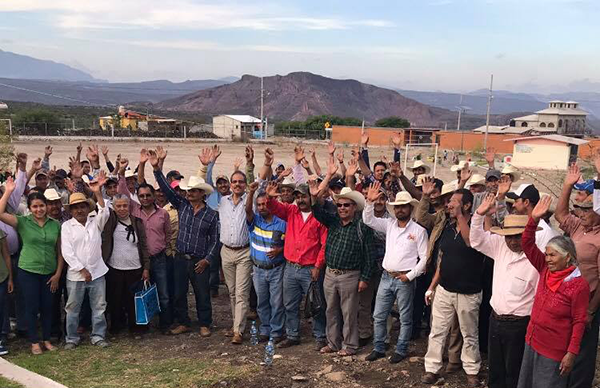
<point>198,234</point>
<point>347,247</point>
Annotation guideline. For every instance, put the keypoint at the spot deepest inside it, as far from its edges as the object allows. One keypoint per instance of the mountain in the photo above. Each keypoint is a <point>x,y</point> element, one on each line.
<point>299,95</point>
<point>94,93</point>
<point>21,66</point>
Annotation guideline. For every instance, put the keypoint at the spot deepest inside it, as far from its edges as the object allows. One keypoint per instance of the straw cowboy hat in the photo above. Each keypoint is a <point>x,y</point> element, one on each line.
<point>513,224</point>
<point>76,198</point>
<point>419,163</point>
<point>476,179</point>
<point>457,167</point>
<point>353,195</point>
<point>420,180</point>
<point>195,182</point>
<point>510,170</point>
<point>448,188</point>
<point>402,198</point>
<point>289,182</point>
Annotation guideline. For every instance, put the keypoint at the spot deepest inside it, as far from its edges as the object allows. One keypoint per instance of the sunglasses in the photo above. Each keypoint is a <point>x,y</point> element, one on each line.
<point>339,205</point>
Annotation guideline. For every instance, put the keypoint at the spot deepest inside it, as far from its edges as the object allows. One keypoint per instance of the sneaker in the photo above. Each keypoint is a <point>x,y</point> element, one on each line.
<point>375,355</point>
<point>396,358</point>
<point>429,378</point>
<point>287,343</point>
<point>70,346</point>
<point>102,344</point>
<point>3,350</point>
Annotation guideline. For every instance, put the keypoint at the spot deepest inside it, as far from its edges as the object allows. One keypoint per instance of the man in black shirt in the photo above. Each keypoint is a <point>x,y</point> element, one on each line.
<point>459,275</point>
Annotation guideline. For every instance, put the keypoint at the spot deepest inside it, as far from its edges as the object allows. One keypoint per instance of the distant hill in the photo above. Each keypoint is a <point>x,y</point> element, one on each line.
<point>24,67</point>
<point>299,95</point>
<point>93,93</point>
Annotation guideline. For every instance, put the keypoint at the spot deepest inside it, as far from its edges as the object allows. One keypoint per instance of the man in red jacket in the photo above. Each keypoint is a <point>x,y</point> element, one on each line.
<point>304,251</point>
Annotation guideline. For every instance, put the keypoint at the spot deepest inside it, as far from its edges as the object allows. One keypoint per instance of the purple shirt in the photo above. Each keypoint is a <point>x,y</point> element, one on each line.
<point>13,202</point>
<point>157,224</point>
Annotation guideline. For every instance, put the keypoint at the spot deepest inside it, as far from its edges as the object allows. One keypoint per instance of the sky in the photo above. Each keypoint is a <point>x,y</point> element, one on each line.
<point>447,45</point>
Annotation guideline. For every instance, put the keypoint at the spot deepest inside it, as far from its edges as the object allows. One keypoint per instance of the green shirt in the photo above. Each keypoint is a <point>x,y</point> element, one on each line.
<point>38,254</point>
<point>3,269</point>
<point>348,247</point>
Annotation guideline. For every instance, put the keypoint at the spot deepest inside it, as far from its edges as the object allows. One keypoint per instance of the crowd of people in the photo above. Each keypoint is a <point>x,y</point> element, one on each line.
<point>475,261</point>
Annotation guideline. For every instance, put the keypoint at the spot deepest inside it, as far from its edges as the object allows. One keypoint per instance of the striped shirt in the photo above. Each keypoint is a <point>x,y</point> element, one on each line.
<point>198,233</point>
<point>264,236</point>
<point>234,232</point>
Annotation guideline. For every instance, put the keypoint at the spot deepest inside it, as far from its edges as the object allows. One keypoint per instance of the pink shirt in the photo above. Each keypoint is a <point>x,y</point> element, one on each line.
<point>515,279</point>
<point>587,244</point>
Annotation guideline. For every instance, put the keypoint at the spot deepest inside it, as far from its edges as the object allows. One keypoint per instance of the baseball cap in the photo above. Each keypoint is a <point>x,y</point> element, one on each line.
<point>222,177</point>
<point>302,189</point>
<point>585,186</point>
<point>174,184</point>
<point>60,173</point>
<point>174,174</point>
<point>337,182</point>
<point>42,172</point>
<point>492,174</point>
<point>525,191</point>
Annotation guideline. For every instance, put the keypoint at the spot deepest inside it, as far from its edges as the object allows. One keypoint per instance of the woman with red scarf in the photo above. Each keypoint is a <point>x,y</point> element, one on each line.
<point>559,309</point>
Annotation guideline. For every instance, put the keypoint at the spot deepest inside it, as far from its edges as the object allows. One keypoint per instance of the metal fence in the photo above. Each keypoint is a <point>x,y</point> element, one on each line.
<point>309,134</point>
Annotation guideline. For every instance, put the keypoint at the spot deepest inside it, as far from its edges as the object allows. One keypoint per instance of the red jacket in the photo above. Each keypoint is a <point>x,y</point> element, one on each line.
<point>304,241</point>
<point>558,318</point>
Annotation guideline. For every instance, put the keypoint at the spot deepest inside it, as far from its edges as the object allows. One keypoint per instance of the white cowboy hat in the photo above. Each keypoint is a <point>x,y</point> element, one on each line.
<point>420,179</point>
<point>448,188</point>
<point>476,179</point>
<point>510,170</point>
<point>129,173</point>
<point>289,181</point>
<point>402,198</point>
<point>195,182</point>
<point>457,167</point>
<point>51,195</point>
<point>353,195</point>
<point>419,163</point>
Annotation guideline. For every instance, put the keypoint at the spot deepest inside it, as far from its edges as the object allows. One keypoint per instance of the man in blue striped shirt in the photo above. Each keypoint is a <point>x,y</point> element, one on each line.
<point>267,234</point>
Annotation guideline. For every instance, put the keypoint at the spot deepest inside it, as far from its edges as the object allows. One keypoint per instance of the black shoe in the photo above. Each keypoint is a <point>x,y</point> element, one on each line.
<point>263,338</point>
<point>396,358</point>
<point>214,292</point>
<point>364,341</point>
<point>375,355</point>
<point>320,344</point>
<point>288,343</point>
<point>278,340</point>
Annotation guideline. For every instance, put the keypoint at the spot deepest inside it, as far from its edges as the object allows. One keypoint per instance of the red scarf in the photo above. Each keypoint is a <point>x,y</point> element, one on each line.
<point>554,279</point>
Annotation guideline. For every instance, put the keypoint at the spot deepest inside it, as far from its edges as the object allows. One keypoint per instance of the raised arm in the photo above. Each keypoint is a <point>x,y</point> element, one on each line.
<point>46,160</point>
<point>340,158</point>
<point>35,167</point>
<point>109,165</point>
<point>534,255</point>
<point>249,164</point>
<point>279,209</point>
<point>5,217</point>
<point>266,171</point>
<point>161,153</point>
<point>368,214</point>
<point>351,174</point>
<point>142,166</point>
<point>422,215</point>
<point>398,174</point>
<point>250,202</point>
<point>316,166</point>
<point>485,242</point>
<point>171,195</point>
<point>20,182</point>
<point>562,207</point>
<point>205,157</point>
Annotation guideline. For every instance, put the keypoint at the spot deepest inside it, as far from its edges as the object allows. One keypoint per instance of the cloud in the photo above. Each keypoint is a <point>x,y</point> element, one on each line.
<point>180,14</point>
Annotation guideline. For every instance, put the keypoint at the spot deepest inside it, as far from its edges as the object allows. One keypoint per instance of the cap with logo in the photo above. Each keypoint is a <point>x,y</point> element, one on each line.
<point>525,191</point>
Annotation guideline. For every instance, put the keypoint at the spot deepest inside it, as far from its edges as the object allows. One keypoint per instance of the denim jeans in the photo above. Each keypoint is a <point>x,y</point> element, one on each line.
<point>295,286</point>
<point>393,290</point>
<point>269,290</point>
<point>215,270</point>
<point>184,273</point>
<point>159,275</point>
<point>38,299</point>
<point>3,299</point>
<point>15,306</point>
<point>97,294</point>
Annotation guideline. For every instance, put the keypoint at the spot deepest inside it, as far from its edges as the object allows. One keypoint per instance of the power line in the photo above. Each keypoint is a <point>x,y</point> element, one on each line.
<point>57,96</point>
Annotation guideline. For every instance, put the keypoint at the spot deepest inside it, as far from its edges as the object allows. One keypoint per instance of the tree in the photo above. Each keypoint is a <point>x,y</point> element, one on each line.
<point>6,148</point>
<point>392,122</point>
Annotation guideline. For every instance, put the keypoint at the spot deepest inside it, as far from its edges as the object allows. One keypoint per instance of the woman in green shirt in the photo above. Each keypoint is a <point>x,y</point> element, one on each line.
<point>40,263</point>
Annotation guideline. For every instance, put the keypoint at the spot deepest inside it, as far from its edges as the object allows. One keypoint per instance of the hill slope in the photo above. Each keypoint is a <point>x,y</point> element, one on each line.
<point>22,66</point>
<point>297,96</point>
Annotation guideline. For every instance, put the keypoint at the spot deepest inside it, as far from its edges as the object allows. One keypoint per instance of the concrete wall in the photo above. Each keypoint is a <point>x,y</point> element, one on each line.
<point>540,154</point>
<point>225,127</point>
<point>469,141</point>
<point>351,135</point>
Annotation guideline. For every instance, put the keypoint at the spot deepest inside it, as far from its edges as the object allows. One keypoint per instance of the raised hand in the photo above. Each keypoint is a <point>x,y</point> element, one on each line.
<point>269,156</point>
<point>271,190</point>
<point>487,205</point>
<point>143,156</point>
<point>396,169</point>
<point>428,186</point>
<point>573,175</point>
<point>397,140</point>
<point>104,151</point>
<point>504,186</point>
<point>340,156</point>
<point>47,152</point>
<point>237,163</point>
<point>22,160</point>
<point>205,156</point>
<point>79,148</point>
<point>305,163</point>
<point>465,174</point>
<point>331,147</point>
<point>92,154</point>
<point>98,182</point>
<point>490,155</point>
<point>37,164</point>
<point>76,170</point>
<point>249,154</point>
<point>364,140</point>
<point>541,208</point>
<point>161,153</point>
<point>374,192</point>
<point>153,159</point>
<point>123,163</point>
<point>10,185</point>
<point>299,153</point>
<point>313,186</point>
<point>352,167</point>
<point>70,185</point>
<point>332,167</point>
<point>52,174</point>
<point>216,152</point>
<point>253,187</point>
<point>286,172</point>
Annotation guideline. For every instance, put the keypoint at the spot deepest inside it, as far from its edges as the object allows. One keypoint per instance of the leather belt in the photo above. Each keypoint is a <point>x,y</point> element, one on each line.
<point>299,266</point>
<point>236,248</point>
<point>508,317</point>
<point>396,273</point>
<point>267,266</point>
<point>340,271</point>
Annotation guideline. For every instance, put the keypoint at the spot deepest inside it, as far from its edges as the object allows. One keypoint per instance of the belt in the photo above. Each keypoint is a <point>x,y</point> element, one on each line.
<point>341,271</point>
<point>267,266</point>
<point>508,317</point>
<point>158,254</point>
<point>236,248</point>
<point>299,266</point>
<point>186,256</point>
<point>396,273</point>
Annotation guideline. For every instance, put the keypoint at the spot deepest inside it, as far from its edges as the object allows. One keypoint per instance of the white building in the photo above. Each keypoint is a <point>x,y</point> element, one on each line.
<point>547,152</point>
<point>235,126</point>
<point>3,105</point>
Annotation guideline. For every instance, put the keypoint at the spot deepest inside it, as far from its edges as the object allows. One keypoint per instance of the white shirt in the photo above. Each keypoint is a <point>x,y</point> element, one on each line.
<point>543,236</point>
<point>234,231</point>
<point>405,248</point>
<point>515,279</point>
<point>82,246</point>
<point>125,255</point>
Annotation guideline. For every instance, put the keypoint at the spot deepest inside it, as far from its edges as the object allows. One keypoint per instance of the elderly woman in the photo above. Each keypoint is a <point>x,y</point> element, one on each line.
<point>559,309</point>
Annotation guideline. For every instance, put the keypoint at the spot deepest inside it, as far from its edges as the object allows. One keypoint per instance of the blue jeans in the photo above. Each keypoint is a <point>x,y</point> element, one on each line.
<point>390,290</point>
<point>97,294</point>
<point>38,299</point>
<point>184,273</point>
<point>159,275</point>
<point>269,290</point>
<point>295,286</point>
<point>3,300</point>
<point>215,269</point>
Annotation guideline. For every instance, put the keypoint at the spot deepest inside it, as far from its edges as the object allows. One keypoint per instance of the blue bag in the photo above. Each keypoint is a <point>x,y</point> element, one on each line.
<point>146,304</point>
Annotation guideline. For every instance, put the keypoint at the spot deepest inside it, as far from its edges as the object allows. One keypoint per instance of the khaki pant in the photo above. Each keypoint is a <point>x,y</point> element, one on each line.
<point>365,303</point>
<point>237,268</point>
<point>445,306</point>
<point>341,295</point>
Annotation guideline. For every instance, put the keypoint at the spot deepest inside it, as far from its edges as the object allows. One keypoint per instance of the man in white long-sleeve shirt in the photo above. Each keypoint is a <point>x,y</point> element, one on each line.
<point>405,259</point>
<point>81,239</point>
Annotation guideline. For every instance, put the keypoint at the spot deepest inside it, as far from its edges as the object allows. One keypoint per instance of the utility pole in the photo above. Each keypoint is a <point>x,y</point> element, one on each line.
<point>262,107</point>
<point>460,111</point>
<point>487,119</point>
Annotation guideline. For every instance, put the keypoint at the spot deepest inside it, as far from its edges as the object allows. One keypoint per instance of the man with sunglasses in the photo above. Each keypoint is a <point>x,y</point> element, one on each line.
<point>157,227</point>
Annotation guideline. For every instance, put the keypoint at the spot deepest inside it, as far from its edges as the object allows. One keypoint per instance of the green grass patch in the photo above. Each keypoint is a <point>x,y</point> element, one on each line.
<point>6,383</point>
<point>131,366</point>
